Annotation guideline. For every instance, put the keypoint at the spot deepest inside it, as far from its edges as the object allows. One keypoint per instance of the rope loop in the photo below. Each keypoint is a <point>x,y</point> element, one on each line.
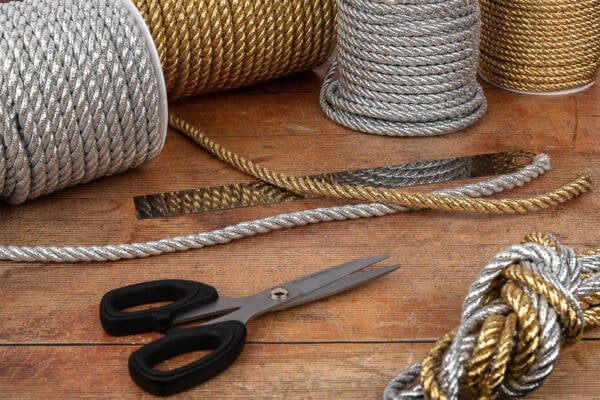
<point>527,302</point>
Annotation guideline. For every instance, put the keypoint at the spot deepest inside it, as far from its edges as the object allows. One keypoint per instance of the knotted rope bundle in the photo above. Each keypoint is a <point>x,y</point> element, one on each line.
<point>212,45</point>
<point>79,96</point>
<point>405,67</point>
<point>540,45</point>
<point>527,302</point>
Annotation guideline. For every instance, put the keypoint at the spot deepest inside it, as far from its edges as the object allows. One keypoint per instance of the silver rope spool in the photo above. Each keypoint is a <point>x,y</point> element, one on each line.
<point>405,67</point>
<point>81,94</point>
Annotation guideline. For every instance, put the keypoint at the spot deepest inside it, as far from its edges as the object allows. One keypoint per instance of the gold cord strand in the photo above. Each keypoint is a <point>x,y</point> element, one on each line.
<point>540,45</point>
<point>306,185</point>
<point>214,45</point>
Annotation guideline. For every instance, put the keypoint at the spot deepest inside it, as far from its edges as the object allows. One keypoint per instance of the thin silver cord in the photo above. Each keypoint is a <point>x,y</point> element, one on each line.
<point>540,164</point>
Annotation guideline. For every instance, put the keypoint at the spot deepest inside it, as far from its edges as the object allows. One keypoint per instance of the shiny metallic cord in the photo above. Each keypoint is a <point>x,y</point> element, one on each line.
<point>214,45</point>
<point>527,302</point>
<point>78,96</point>
<point>260,226</point>
<point>405,68</point>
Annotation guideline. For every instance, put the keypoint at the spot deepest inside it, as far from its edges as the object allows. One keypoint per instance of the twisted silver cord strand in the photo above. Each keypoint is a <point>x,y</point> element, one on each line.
<point>405,68</point>
<point>79,98</point>
<point>540,164</point>
<point>558,265</point>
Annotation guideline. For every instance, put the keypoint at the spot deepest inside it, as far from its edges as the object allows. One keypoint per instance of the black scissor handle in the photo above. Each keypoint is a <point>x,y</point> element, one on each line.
<point>183,295</point>
<point>226,339</point>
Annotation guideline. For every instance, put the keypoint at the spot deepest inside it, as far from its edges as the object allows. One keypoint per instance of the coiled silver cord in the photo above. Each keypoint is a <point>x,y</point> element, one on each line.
<point>405,67</point>
<point>540,164</point>
<point>79,96</point>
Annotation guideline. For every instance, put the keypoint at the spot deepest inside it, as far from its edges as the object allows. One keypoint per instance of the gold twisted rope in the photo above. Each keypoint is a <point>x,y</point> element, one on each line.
<point>309,186</point>
<point>509,344</point>
<point>212,45</point>
<point>540,45</point>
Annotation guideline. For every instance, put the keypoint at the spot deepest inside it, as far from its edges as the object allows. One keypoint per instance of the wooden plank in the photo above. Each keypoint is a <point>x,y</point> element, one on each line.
<point>295,371</point>
<point>51,342</point>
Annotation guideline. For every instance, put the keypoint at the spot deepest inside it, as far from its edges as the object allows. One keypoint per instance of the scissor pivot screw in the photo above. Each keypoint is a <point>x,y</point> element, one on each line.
<point>279,293</point>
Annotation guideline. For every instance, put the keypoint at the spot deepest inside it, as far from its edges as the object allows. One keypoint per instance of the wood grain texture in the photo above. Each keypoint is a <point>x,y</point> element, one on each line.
<point>349,346</point>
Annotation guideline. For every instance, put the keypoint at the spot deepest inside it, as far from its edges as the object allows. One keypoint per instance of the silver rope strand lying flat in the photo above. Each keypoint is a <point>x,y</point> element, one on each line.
<point>405,67</point>
<point>531,298</point>
<point>79,96</point>
<point>539,165</point>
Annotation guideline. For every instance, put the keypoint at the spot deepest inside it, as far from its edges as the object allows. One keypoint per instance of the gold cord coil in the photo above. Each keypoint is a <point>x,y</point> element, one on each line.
<point>540,45</point>
<point>213,45</point>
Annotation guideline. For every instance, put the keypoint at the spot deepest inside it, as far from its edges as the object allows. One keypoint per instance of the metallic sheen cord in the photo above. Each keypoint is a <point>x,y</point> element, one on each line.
<point>79,98</point>
<point>241,230</point>
<point>527,302</point>
<point>213,45</point>
<point>405,68</point>
<point>540,45</point>
<point>307,185</point>
<point>248,194</point>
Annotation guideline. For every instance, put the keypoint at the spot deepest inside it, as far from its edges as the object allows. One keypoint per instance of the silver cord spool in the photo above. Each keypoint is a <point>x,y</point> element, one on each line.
<point>405,67</point>
<point>80,95</point>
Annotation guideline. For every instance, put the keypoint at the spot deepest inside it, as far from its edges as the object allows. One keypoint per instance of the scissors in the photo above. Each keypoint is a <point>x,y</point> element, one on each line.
<point>225,336</point>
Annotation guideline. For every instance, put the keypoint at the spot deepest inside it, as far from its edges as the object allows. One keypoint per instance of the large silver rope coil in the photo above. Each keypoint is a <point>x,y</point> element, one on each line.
<point>80,95</point>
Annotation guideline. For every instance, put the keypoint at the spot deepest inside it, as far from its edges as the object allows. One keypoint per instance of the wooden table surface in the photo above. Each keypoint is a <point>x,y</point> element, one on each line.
<point>346,347</point>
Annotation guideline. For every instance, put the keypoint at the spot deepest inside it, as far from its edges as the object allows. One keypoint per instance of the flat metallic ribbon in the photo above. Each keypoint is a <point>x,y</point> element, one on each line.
<point>169,204</point>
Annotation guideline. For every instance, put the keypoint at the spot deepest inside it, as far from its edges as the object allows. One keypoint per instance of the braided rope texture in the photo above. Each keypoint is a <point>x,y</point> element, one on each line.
<point>527,302</point>
<point>540,164</point>
<point>540,45</point>
<point>405,67</point>
<point>307,186</point>
<point>214,45</point>
<point>249,194</point>
<point>78,95</point>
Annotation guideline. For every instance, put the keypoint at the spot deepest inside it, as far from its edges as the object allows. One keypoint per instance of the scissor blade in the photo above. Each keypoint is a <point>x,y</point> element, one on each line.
<point>319,279</point>
<point>341,285</point>
<point>298,288</point>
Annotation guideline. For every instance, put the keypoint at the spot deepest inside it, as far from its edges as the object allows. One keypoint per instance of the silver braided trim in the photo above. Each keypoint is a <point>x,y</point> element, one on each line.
<point>405,68</point>
<point>419,173</point>
<point>540,164</point>
<point>79,97</point>
<point>562,268</point>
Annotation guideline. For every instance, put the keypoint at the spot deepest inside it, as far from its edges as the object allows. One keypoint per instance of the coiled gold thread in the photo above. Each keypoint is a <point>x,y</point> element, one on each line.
<point>540,45</point>
<point>213,45</point>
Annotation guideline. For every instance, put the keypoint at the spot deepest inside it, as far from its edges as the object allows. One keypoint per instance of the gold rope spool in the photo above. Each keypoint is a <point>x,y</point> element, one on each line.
<point>540,45</point>
<point>214,45</point>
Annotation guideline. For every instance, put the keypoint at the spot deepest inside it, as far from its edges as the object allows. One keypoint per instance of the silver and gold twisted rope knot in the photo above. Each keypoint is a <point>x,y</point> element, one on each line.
<point>526,303</point>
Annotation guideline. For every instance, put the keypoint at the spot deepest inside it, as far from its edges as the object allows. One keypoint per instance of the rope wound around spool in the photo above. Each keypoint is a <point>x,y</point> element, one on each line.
<point>540,46</point>
<point>527,302</point>
<point>79,97</point>
<point>405,67</point>
<point>214,45</point>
